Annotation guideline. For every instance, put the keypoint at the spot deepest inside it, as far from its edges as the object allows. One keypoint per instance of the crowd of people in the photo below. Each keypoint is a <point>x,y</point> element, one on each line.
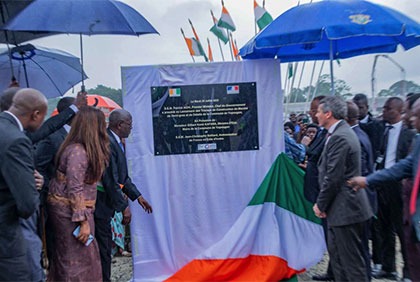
<point>345,149</point>
<point>64,185</point>
<point>60,184</point>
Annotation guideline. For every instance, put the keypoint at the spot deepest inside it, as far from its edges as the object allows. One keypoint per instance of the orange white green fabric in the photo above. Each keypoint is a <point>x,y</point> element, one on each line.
<point>276,236</point>
<point>226,20</point>
<point>262,17</point>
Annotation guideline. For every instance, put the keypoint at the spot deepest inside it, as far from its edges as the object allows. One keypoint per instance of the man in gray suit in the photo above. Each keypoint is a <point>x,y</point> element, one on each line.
<point>346,210</point>
<point>18,195</point>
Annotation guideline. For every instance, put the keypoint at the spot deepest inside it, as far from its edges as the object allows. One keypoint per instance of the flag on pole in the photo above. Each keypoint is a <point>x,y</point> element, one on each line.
<point>276,237</point>
<point>210,53</point>
<point>219,32</point>
<point>225,20</point>
<point>262,17</point>
<point>198,41</point>
<point>289,70</point>
<point>193,45</point>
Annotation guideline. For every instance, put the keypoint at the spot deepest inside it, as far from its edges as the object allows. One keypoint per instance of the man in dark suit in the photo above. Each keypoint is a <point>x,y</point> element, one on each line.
<point>310,185</point>
<point>367,168</point>
<point>115,182</point>
<point>45,153</point>
<point>18,195</point>
<point>394,145</point>
<point>52,124</point>
<point>409,167</point>
<point>347,211</point>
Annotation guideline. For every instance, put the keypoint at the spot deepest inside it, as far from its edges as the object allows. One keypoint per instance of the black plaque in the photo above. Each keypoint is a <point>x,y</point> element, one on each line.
<point>204,118</point>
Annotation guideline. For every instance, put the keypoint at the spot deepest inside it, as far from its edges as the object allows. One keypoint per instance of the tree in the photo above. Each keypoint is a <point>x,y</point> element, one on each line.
<point>113,94</point>
<point>341,88</point>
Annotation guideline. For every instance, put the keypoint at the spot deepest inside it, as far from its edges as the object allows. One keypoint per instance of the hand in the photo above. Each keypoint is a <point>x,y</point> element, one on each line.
<point>318,212</point>
<point>303,165</point>
<point>84,232</point>
<point>305,140</point>
<point>126,216</point>
<point>144,204</point>
<point>357,182</point>
<point>81,100</point>
<point>39,180</point>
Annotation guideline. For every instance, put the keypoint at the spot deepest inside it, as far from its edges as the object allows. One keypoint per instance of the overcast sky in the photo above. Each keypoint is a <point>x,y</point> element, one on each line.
<point>105,54</point>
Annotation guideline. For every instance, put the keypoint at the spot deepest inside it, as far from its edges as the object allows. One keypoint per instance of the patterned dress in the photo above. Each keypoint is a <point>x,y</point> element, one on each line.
<point>70,201</point>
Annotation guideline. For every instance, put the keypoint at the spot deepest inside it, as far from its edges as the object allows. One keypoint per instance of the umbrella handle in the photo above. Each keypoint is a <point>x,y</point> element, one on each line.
<point>96,102</point>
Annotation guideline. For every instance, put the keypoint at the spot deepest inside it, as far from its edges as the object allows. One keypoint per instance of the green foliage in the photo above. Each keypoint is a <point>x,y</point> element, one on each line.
<point>113,94</point>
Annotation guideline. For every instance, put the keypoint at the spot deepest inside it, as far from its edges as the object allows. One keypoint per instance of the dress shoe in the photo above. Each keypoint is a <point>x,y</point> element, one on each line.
<point>323,277</point>
<point>385,275</point>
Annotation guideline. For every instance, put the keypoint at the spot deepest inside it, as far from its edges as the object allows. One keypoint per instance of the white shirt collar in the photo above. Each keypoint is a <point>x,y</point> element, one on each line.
<point>397,125</point>
<point>116,137</point>
<point>17,120</point>
<point>332,128</point>
<point>67,128</point>
<point>365,119</point>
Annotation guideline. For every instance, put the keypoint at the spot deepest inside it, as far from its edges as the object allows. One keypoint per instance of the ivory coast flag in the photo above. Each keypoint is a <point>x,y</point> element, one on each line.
<point>226,20</point>
<point>276,236</point>
<point>194,47</point>
<point>262,17</point>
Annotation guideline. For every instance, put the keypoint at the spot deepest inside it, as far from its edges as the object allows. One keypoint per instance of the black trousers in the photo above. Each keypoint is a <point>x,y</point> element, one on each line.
<point>330,272</point>
<point>103,236</point>
<point>387,224</point>
<point>347,252</point>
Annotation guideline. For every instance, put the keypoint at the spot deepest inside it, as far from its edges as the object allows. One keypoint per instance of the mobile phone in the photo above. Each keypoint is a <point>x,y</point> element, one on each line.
<point>76,233</point>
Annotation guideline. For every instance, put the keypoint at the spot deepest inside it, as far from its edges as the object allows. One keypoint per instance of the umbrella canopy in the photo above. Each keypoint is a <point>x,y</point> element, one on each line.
<point>333,29</point>
<point>80,17</point>
<point>51,71</point>
<point>9,9</point>
<point>105,104</point>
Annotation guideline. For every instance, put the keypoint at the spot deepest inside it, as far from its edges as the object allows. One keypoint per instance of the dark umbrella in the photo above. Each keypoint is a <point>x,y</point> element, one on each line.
<point>51,71</point>
<point>334,29</point>
<point>87,17</point>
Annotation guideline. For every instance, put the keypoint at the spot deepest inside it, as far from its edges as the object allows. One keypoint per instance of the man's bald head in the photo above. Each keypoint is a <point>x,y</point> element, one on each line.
<point>120,122</point>
<point>6,98</point>
<point>352,113</point>
<point>29,106</point>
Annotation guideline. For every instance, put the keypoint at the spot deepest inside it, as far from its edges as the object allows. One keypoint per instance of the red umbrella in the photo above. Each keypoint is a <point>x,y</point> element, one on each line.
<point>103,103</point>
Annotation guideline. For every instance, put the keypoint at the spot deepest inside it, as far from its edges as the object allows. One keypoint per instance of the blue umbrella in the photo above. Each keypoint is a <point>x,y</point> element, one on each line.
<point>51,71</point>
<point>87,17</point>
<point>333,29</point>
<point>9,9</point>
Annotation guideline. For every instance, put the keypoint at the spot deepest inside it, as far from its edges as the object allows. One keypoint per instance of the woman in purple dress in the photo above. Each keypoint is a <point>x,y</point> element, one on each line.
<point>80,161</point>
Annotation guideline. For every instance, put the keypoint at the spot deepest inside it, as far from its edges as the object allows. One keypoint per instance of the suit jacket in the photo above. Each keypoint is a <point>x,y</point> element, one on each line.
<point>314,150</point>
<point>405,168</point>
<point>45,155</point>
<point>366,151</point>
<point>340,161</point>
<point>51,125</point>
<point>375,130</point>
<point>18,195</point>
<point>115,174</point>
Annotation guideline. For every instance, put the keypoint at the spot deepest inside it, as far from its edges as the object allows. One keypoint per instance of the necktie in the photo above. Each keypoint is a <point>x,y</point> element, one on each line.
<point>121,146</point>
<point>380,161</point>
<point>415,192</point>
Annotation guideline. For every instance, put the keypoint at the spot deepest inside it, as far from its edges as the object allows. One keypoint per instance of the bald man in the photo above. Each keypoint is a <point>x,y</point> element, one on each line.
<point>395,143</point>
<point>18,194</point>
<point>115,182</point>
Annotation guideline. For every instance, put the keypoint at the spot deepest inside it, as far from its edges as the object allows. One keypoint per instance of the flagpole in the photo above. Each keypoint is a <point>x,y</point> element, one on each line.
<point>192,57</point>
<point>317,82</point>
<point>300,78</point>
<point>255,21</point>
<point>230,43</point>
<point>218,39</point>
<point>210,51</point>
<point>308,94</point>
